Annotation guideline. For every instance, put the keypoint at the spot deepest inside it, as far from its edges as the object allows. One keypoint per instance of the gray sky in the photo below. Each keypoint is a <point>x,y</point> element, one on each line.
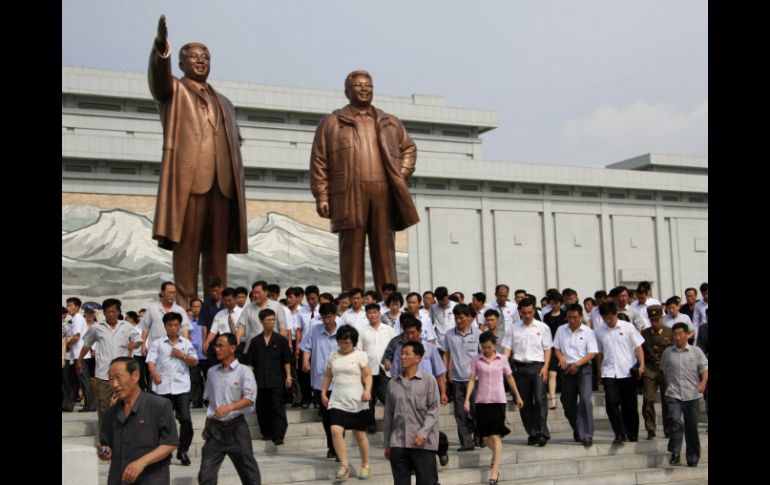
<point>574,82</point>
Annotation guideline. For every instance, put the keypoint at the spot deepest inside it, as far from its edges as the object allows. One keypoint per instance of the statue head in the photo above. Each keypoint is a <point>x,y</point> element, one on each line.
<point>195,61</point>
<point>359,88</point>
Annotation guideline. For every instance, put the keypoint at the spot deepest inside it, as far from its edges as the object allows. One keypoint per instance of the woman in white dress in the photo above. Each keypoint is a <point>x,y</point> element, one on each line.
<point>349,402</point>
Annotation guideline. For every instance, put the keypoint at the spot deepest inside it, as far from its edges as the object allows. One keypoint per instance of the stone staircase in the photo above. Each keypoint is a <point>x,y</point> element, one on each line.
<point>302,458</point>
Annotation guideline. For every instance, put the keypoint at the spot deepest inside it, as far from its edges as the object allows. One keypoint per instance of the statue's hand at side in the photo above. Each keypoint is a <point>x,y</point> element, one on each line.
<point>323,209</point>
<point>160,39</point>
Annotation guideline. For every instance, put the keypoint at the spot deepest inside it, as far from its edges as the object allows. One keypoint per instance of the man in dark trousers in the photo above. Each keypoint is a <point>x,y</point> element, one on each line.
<point>138,433</point>
<point>231,391</point>
<point>270,357</point>
<point>686,368</point>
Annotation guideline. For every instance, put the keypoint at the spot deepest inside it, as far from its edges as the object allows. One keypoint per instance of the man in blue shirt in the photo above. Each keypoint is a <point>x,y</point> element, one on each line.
<point>317,346</point>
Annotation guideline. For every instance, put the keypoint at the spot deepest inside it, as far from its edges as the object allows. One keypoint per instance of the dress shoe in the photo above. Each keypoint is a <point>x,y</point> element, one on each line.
<point>634,439</point>
<point>650,435</point>
<point>588,442</point>
<point>278,441</point>
<point>532,440</point>
<point>466,448</point>
<point>692,463</point>
<point>443,459</point>
<point>541,441</point>
<point>674,459</point>
<point>67,410</point>
<point>182,456</point>
<point>295,405</point>
<point>619,439</point>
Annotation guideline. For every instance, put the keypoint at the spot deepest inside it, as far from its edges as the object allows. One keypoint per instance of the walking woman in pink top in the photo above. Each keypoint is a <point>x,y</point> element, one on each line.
<point>491,368</point>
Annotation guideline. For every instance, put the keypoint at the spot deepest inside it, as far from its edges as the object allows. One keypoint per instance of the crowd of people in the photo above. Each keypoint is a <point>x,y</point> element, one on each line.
<point>413,353</point>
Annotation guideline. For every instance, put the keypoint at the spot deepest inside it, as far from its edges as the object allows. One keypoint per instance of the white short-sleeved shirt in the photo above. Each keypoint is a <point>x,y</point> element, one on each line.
<point>174,372</point>
<point>356,319</point>
<point>443,319</point>
<point>641,310</point>
<point>509,313</point>
<point>152,321</point>
<point>681,318</point>
<point>220,325</point>
<point>348,387</point>
<point>617,347</point>
<point>528,343</point>
<point>374,342</point>
<point>575,345</point>
<point>77,326</point>
<point>427,328</point>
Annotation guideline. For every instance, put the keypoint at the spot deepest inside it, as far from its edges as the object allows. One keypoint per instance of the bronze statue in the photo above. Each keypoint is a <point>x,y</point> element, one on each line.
<point>201,209</point>
<point>359,165</point>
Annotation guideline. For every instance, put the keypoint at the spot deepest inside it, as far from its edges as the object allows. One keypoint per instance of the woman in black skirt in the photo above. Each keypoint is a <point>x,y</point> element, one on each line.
<point>349,402</point>
<point>491,368</point>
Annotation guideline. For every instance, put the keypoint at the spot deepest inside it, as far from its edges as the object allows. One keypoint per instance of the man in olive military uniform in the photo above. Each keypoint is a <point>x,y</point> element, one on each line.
<point>657,338</point>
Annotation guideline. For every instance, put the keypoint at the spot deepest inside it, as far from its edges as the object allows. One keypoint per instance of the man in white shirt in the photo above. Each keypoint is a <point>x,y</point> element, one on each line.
<point>620,347</point>
<point>508,311</point>
<point>527,344</point>
<point>76,330</point>
<point>355,316</point>
<point>115,338</point>
<point>644,300</point>
<point>413,308</point>
<point>673,316</point>
<point>225,321</point>
<point>575,347</point>
<point>249,324</point>
<point>169,361</point>
<point>442,315</point>
<point>479,304</point>
<point>374,338</point>
<point>151,323</point>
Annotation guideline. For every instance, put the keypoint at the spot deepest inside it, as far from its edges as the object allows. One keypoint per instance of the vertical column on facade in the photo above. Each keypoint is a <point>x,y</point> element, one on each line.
<point>413,238</point>
<point>676,263</point>
<point>608,254</point>
<point>422,248</point>
<point>489,249</point>
<point>549,238</point>
<point>664,254</point>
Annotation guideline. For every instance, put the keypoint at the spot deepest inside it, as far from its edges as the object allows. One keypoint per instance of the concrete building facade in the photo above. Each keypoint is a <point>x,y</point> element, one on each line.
<point>482,222</point>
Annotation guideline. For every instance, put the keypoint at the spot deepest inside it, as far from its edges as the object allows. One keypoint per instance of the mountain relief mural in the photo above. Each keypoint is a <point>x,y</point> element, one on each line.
<point>111,253</point>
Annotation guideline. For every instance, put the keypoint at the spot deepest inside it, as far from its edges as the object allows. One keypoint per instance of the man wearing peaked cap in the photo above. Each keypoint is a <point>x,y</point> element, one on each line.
<point>657,338</point>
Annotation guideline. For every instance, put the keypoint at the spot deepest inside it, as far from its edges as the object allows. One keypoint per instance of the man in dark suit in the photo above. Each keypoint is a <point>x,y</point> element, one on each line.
<point>271,358</point>
<point>200,208</point>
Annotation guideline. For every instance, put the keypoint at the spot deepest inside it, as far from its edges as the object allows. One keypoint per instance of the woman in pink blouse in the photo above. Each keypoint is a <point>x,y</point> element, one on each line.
<point>491,368</point>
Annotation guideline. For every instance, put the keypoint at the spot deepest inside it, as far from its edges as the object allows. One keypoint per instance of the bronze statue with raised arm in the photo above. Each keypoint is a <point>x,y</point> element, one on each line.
<point>200,209</point>
<point>359,165</point>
